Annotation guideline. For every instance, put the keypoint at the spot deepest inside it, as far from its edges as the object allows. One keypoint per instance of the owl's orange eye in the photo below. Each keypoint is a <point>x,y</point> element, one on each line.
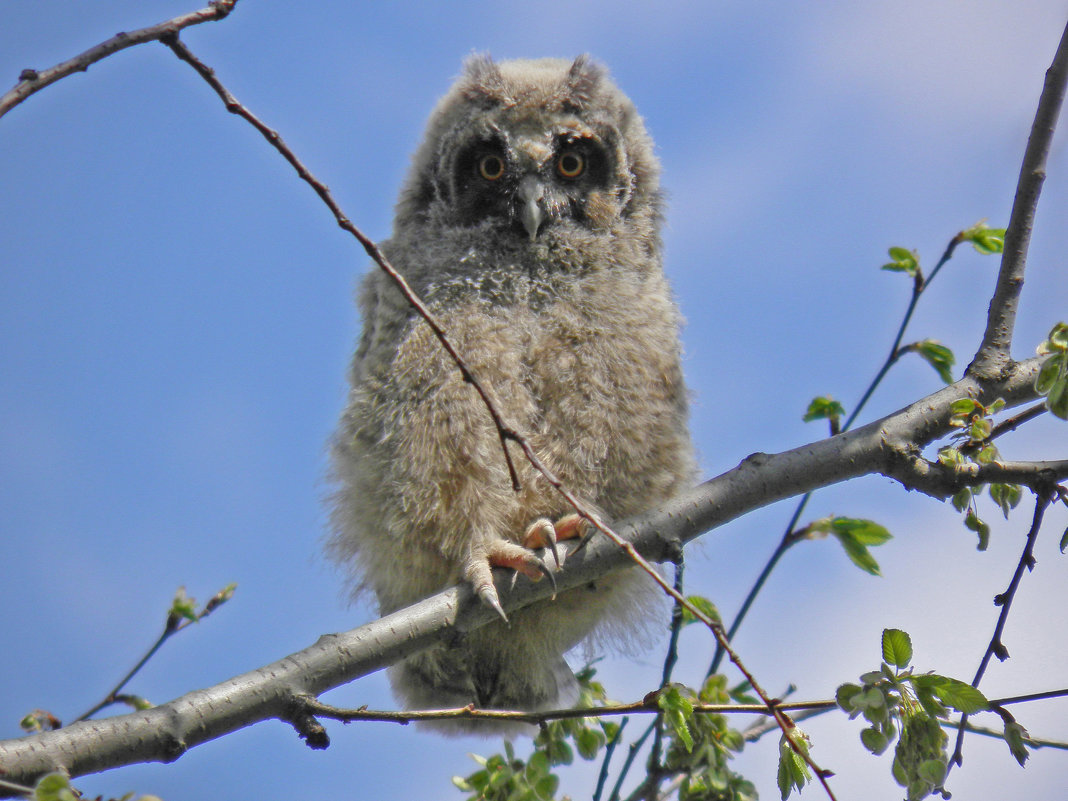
<point>491,167</point>
<point>570,164</point>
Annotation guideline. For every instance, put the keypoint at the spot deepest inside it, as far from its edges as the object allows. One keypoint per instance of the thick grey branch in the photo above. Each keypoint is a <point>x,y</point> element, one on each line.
<point>165,732</point>
<point>32,80</point>
<point>993,354</point>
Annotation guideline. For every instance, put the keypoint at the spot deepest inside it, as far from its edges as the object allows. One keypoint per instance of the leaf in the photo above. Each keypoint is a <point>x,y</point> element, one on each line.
<point>903,261</point>
<point>823,408</point>
<point>702,605</point>
<point>678,711</point>
<point>793,770</point>
<point>897,648</point>
<point>182,607</point>
<point>589,742</point>
<point>985,240</point>
<point>874,740</point>
<point>1064,540</point>
<point>1047,375</point>
<point>845,695</point>
<point>855,535</point>
<point>962,697</point>
<point>1006,496</point>
<point>1056,341</point>
<point>932,771</point>
<point>972,521</point>
<point>938,356</point>
<point>1057,399</point>
<point>1014,737</point>
<point>53,787</point>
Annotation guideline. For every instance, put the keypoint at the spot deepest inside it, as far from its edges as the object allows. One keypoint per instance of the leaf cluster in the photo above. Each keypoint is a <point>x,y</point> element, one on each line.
<point>700,746</point>
<point>1052,380</point>
<point>974,446</point>
<point>507,777</point>
<point>894,698</point>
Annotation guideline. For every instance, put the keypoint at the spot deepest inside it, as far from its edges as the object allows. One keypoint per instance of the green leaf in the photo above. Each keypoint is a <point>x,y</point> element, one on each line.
<point>53,787</point>
<point>824,408</point>
<point>874,740</point>
<point>793,770</point>
<point>855,535</point>
<point>903,261</point>
<point>1064,540</point>
<point>589,742</point>
<point>1047,375</point>
<point>1006,496</point>
<point>897,648</point>
<point>965,406</point>
<point>182,606</point>
<point>702,605</point>
<point>1015,734</point>
<point>938,356</point>
<point>932,771</point>
<point>678,711</point>
<point>1057,399</point>
<point>961,696</point>
<point>972,521</point>
<point>1056,341</point>
<point>985,240</point>
<point>845,696</point>
<point>980,429</point>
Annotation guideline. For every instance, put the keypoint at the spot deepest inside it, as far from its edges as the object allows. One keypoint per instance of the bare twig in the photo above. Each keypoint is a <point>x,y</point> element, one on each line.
<point>609,750</point>
<point>32,80</point>
<point>994,354</point>
<point>996,647</point>
<point>174,623</point>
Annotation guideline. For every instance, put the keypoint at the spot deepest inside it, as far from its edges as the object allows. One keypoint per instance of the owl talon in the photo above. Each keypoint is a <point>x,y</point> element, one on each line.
<point>490,599</point>
<point>542,534</point>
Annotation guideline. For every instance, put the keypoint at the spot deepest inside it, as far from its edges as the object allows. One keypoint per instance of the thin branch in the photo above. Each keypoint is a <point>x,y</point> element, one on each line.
<point>647,706</point>
<point>994,352</point>
<point>609,750</point>
<point>1034,742</point>
<point>996,647</point>
<point>31,80</point>
<point>1022,699</point>
<point>632,752</point>
<point>174,623</point>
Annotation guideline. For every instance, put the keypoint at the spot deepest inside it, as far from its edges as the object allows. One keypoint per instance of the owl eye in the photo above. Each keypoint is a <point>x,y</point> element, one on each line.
<point>491,167</point>
<point>570,164</point>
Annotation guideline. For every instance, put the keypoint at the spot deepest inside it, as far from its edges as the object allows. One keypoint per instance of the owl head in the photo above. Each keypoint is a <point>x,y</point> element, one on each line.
<point>529,147</point>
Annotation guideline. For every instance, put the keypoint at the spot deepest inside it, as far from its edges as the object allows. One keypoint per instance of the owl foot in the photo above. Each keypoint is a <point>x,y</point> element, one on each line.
<point>544,533</point>
<point>502,553</point>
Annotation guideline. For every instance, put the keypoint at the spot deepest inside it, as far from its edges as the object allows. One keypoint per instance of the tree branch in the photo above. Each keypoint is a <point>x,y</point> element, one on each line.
<point>31,80</point>
<point>994,352</point>
<point>164,733</point>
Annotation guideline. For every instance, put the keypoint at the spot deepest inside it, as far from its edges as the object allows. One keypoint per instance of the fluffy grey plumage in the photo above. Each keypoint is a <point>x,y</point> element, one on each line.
<point>529,224</point>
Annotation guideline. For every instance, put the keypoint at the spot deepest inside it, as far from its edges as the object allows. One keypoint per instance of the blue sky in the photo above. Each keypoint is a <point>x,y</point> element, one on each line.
<point>175,308</point>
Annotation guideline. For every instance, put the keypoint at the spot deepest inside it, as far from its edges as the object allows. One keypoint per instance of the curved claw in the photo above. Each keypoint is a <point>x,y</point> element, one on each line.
<point>542,534</point>
<point>488,595</point>
<point>548,574</point>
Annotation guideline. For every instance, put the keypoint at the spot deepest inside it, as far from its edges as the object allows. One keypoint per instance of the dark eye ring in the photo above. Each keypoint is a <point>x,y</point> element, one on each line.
<point>570,164</point>
<point>491,167</point>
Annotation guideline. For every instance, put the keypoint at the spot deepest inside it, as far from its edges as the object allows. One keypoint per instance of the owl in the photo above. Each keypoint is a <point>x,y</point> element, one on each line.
<point>529,224</point>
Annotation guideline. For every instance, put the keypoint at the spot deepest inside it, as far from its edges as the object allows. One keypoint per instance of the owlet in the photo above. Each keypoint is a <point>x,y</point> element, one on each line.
<point>529,223</point>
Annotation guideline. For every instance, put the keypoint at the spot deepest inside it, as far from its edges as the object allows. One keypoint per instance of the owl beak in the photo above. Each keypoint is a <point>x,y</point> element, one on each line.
<point>530,193</point>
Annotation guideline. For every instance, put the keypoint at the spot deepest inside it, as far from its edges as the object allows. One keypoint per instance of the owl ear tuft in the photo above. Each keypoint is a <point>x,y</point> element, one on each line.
<point>483,80</point>
<point>581,82</point>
